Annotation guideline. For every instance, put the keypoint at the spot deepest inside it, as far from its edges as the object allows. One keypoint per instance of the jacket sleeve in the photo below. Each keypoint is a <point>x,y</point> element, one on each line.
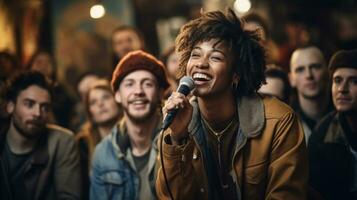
<point>97,186</point>
<point>68,172</point>
<point>179,170</point>
<point>288,169</point>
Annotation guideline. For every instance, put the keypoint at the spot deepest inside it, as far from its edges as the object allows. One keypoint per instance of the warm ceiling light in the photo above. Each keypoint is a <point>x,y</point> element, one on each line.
<point>242,6</point>
<point>97,11</point>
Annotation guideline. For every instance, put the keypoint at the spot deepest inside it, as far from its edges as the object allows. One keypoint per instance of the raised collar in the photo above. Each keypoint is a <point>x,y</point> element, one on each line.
<point>121,141</point>
<point>250,112</point>
<point>338,131</point>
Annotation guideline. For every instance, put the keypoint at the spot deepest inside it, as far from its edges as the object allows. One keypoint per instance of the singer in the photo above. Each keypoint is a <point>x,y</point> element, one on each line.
<point>229,143</point>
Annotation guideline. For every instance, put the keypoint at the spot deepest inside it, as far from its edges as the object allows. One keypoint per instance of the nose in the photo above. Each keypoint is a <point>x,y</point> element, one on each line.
<point>37,111</point>
<point>100,103</point>
<point>203,62</point>
<point>138,90</point>
<point>309,73</point>
<point>343,87</point>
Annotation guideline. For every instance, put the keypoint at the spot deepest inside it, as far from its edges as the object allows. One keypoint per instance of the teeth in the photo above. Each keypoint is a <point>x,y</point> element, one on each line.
<point>201,76</point>
<point>138,102</point>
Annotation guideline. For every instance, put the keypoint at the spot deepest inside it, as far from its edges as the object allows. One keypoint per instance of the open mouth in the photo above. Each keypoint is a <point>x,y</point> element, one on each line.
<point>201,77</point>
<point>139,102</point>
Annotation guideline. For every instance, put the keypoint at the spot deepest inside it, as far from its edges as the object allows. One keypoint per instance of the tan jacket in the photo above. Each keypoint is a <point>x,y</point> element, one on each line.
<point>269,162</point>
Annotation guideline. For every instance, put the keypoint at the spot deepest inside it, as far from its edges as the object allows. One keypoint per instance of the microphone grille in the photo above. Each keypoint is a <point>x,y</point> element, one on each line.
<point>188,81</point>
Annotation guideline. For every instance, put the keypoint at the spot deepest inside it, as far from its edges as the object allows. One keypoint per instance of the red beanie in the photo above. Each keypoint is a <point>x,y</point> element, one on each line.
<point>139,60</point>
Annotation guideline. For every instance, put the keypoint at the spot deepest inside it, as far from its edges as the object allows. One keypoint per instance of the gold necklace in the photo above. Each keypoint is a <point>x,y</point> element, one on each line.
<point>218,134</point>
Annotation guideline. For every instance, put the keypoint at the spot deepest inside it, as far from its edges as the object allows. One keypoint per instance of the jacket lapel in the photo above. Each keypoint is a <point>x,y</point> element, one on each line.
<point>36,173</point>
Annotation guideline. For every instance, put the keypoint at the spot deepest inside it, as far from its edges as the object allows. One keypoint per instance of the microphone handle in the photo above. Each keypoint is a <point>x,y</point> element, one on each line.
<point>169,118</point>
<point>183,89</point>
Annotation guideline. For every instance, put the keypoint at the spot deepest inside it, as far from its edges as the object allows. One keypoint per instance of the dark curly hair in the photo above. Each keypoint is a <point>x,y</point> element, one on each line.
<point>249,62</point>
<point>24,79</point>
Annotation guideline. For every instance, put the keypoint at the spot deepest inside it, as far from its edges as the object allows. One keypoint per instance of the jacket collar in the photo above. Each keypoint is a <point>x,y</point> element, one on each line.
<point>121,144</point>
<point>250,112</point>
<point>337,130</point>
<point>121,141</point>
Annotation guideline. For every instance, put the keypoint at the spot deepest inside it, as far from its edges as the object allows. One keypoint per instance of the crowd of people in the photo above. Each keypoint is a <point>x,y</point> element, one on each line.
<point>250,129</point>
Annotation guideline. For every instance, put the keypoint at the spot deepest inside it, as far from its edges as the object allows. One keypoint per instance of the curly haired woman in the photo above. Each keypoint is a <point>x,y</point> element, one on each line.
<point>230,143</point>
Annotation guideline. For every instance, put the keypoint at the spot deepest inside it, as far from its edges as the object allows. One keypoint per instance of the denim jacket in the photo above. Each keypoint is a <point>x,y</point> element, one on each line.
<point>113,170</point>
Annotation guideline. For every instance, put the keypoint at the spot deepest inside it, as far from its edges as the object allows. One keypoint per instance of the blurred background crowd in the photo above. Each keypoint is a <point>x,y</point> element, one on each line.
<point>74,40</point>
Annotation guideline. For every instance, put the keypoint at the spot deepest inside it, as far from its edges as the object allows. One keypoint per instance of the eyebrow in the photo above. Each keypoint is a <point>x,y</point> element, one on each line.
<point>214,50</point>
<point>142,80</point>
<point>299,67</point>
<point>347,77</point>
<point>34,101</point>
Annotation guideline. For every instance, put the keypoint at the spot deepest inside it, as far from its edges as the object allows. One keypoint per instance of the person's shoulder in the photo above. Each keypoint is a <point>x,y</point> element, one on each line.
<point>274,108</point>
<point>322,127</point>
<point>105,143</point>
<point>55,131</point>
<point>326,120</point>
<point>84,132</point>
<point>105,147</point>
<point>60,140</point>
<point>107,155</point>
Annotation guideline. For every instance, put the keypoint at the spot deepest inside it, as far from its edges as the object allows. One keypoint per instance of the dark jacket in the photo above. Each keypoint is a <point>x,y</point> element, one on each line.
<point>53,171</point>
<point>331,158</point>
<point>307,123</point>
<point>269,161</point>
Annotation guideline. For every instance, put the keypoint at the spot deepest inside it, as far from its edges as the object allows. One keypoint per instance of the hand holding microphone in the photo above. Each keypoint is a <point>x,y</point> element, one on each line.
<point>178,110</point>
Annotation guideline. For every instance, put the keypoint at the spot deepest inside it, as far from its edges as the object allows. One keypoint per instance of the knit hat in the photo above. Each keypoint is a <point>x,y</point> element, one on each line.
<point>136,60</point>
<point>343,59</point>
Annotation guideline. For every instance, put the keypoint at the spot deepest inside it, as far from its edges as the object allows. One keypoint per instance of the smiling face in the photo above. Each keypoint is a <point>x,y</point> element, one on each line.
<point>140,95</point>
<point>209,66</point>
<point>102,106</point>
<point>344,89</point>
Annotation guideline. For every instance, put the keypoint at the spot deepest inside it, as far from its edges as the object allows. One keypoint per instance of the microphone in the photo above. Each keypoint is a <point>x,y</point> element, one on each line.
<point>185,87</point>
